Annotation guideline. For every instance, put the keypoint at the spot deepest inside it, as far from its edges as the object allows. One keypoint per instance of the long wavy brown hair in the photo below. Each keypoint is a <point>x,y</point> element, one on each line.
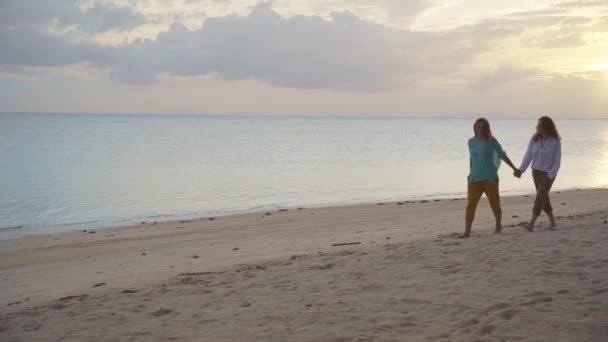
<point>547,127</point>
<point>486,128</point>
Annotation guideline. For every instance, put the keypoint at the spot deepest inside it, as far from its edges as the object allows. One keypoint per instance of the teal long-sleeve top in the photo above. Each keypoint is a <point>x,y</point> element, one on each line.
<point>485,156</point>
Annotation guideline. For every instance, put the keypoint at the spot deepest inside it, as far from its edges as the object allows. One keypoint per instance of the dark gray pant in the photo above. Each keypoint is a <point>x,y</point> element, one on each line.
<point>543,184</point>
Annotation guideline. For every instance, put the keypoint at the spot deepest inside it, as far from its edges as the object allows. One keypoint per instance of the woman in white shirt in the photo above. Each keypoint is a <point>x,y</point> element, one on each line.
<point>545,154</point>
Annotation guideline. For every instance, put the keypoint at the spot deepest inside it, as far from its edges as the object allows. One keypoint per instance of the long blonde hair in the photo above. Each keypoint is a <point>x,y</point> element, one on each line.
<point>487,128</point>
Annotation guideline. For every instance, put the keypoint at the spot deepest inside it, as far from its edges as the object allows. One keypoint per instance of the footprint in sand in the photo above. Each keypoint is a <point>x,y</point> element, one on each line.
<point>415,301</point>
<point>324,267</point>
<point>486,330</point>
<point>32,326</point>
<point>407,325</point>
<point>508,314</point>
<point>600,291</point>
<point>497,307</point>
<point>470,322</point>
<point>537,301</point>
<point>450,244</point>
<point>161,312</point>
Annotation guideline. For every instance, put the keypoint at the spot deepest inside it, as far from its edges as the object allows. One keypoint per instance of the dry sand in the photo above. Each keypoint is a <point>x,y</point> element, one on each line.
<point>277,277</point>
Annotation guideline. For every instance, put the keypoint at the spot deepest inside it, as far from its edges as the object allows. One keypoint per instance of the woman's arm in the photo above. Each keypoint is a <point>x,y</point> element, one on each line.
<point>527,158</point>
<point>503,155</point>
<point>557,162</point>
<point>509,162</point>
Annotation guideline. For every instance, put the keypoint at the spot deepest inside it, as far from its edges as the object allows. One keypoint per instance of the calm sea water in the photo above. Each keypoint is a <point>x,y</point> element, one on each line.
<point>69,172</point>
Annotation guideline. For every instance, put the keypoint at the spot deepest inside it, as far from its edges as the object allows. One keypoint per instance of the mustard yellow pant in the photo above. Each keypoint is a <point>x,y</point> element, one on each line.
<point>474,192</point>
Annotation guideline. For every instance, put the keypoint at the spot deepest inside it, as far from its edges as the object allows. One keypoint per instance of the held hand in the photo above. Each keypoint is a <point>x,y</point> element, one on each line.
<point>517,173</point>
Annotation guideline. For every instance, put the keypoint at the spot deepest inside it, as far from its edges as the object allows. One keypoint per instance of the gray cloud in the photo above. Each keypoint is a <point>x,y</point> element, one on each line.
<point>342,52</point>
<point>24,46</point>
<point>302,52</point>
<point>100,17</point>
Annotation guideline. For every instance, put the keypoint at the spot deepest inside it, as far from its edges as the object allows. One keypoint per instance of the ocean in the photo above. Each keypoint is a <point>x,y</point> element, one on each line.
<point>62,172</point>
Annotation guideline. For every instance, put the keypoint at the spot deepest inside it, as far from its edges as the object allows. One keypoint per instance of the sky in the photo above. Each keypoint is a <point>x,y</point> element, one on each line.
<point>424,58</point>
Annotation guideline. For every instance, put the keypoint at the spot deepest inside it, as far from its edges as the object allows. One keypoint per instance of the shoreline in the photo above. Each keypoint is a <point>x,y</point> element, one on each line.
<point>33,232</point>
<point>269,273</point>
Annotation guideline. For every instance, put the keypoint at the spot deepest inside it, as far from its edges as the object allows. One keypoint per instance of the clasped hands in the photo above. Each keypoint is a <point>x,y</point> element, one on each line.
<point>517,173</point>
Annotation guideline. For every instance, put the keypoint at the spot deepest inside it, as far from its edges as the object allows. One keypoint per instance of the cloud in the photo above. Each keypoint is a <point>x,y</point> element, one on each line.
<point>341,51</point>
<point>503,75</point>
<point>558,27</point>
<point>394,8</point>
<point>582,76</point>
<point>24,46</point>
<point>564,41</point>
<point>581,4</point>
<point>301,51</point>
<point>101,17</point>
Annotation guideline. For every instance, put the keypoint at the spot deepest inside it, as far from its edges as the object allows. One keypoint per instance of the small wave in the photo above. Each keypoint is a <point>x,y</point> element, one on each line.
<point>4,229</point>
<point>159,216</point>
<point>74,223</point>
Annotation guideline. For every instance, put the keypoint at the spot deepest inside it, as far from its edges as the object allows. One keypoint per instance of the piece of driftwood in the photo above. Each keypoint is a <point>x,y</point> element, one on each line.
<point>346,244</point>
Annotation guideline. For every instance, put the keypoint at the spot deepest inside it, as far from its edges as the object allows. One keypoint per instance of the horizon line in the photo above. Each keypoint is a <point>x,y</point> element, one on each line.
<point>300,115</point>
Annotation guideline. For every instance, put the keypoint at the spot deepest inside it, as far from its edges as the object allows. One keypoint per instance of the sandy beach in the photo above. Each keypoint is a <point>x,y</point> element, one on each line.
<point>375,272</point>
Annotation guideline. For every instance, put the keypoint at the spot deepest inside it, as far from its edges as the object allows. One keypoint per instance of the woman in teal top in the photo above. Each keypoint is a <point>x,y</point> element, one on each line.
<point>485,154</point>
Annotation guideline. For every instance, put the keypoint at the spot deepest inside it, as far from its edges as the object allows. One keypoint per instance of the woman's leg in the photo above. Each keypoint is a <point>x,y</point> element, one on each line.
<point>536,176</point>
<point>474,192</point>
<point>543,185</point>
<point>493,193</point>
<point>547,207</point>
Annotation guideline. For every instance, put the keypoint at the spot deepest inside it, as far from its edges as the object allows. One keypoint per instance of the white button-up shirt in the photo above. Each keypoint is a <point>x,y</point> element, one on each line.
<point>546,157</point>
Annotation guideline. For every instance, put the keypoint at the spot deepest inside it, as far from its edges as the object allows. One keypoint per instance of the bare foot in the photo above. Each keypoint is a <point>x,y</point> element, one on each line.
<point>552,221</point>
<point>498,230</point>
<point>465,235</point>
<point>528,226</point>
